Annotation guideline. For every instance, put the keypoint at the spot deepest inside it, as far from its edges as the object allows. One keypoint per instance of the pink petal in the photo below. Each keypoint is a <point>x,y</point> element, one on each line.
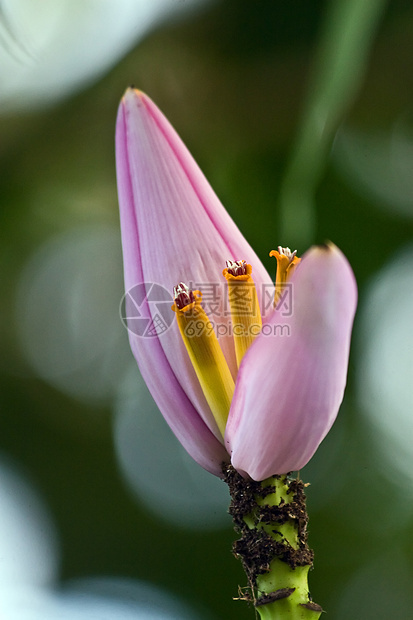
<point>178,411</point>
<point>173,229</point>
<point>289,388</point>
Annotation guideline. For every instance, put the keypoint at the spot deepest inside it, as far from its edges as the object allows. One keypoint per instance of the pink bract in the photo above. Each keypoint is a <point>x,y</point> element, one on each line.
<point>174,228</point>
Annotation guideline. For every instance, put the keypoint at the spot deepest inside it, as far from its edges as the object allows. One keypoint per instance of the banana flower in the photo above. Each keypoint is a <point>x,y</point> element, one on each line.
<point>258,399</point>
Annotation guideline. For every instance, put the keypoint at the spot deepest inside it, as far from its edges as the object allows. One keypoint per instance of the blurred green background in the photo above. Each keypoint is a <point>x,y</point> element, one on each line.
<point>300,113</point>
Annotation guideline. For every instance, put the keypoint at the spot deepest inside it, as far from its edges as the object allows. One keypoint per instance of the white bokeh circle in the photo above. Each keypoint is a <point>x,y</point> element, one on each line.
<point>157,469</point>
<point>68,313</point>
<point>49,48</point>
<point>385,364</point>
<point>96,599</point>
<point>29,552</point>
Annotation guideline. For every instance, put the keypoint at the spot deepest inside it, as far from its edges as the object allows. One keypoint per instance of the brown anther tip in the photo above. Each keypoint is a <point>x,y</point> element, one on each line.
<point>183,296</point>
<point>236,268</point>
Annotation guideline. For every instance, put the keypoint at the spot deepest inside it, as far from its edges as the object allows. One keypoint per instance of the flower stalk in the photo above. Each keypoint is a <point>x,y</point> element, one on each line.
<point>271,518</point>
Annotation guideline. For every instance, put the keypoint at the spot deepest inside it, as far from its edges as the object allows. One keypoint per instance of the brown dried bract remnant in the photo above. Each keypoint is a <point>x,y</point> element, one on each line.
<point>264,599</point>
<point>312,606</point>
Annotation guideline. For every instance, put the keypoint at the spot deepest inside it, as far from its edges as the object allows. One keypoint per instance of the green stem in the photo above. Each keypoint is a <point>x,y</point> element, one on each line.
<point>271,518</point>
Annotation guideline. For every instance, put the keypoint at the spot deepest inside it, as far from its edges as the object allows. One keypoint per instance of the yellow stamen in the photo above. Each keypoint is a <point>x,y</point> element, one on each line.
<point>245,309</point>
<point>286,263</point>
<point>205,353</point>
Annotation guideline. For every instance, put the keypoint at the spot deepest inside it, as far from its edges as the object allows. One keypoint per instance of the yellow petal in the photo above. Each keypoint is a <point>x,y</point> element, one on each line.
<point>207,358</point>
<point>286,263</point>
<point>245,309</point>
